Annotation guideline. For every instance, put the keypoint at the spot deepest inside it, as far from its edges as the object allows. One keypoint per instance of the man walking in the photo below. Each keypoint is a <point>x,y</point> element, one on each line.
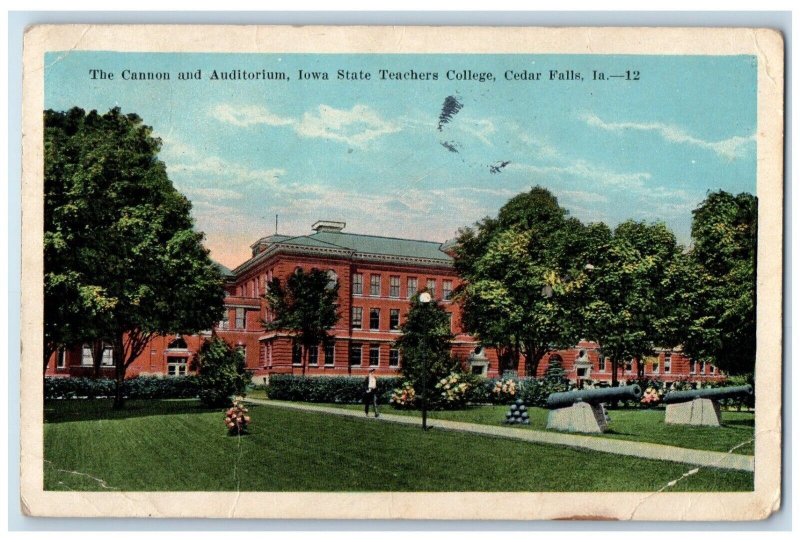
<point>371,393</point>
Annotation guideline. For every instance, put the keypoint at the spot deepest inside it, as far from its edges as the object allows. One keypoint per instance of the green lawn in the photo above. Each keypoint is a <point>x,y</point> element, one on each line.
<point>640,425</point>
<point>180,446</point>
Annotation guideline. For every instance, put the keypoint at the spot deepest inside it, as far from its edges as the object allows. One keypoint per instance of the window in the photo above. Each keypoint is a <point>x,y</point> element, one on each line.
<point>313,356</point>
<point>394,357</point>
<point>297,355</point>
<point>431,287</point>
<point>703,368</point>
<point>330,354</point>
<point>601,364</point>
<point>656,366</point>
<point>176,366</point>
<point>374,355</point>
<point>108,356</point>
<point>375,285</point>
<point>358,284</point>
<point>447,289</point>
<point>357,312</point>
<point>355,354</point>
<point>629,366</point>
<point>225,322</point>
<point>374,318</point>
<point>450,321</point>
<point>239,318</point>
<point>667,362</point>
<point>86,355</point>
<point>411,286</point>
<point>394,286</point>
<point>61,361</point>
<point>394,319</point>
<point>694,368</point>
<point>712,369</point>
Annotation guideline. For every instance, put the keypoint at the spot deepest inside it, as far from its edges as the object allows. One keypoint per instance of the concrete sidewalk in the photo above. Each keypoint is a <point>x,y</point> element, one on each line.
<point>645,450</point>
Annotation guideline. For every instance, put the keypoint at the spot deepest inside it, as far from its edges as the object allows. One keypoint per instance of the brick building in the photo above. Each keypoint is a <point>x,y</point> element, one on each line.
<point>377,276</point>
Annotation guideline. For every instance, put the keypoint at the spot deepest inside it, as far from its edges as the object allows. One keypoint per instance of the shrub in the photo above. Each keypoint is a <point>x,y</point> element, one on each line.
<point>236,419</point>
<point>404,396</point>
<point>453,390</point>
<point>327,389</point>
<point>221,373</point>
<point>141,387</point>
<point>504,390</point>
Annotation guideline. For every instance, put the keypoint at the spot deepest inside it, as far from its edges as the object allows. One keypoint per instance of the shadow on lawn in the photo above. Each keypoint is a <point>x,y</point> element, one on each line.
<point>76,410</point>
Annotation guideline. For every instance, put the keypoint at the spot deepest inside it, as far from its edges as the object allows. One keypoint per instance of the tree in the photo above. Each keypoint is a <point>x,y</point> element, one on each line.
<point>221,373</point>
<point>626,312</point>
<point>425,345</point>
<point>523,273</point>
<point>307,307</point>
<point>719,290</point>
<point>122,261</point>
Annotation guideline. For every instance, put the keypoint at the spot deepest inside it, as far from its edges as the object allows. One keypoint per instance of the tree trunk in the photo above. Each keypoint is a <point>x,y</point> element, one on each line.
<point>119,373</point>
<point>304,358</point>
<point>49,349</point>
<point>97,356</point>
<point>614,370</point>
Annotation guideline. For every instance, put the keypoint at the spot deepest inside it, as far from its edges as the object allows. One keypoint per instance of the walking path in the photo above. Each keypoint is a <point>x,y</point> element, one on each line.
<point>645,450</point>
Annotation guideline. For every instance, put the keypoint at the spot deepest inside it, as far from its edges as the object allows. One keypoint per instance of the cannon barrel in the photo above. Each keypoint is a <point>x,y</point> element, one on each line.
<point>714,394</point>
<point>593,396</point>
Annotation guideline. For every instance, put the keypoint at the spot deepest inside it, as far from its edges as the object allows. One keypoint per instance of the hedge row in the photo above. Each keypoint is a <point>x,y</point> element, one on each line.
<point>533,391</point>
<point>327,389</point>
<point>142,387</point>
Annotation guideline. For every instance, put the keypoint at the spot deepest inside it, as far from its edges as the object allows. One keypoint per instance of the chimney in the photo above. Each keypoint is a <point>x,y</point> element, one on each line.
<point>328,226</point>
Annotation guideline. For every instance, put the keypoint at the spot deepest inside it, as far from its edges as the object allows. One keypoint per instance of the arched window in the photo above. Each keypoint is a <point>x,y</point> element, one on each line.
<point>177,343</point>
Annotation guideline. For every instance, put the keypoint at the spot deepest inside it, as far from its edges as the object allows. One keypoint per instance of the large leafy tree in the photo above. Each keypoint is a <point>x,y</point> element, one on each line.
<point>626,310</point>
<point>425,344</point>
<point>523,272</point>
<point>122,260</point>
<point>305,306</point>
<point>719,291</point>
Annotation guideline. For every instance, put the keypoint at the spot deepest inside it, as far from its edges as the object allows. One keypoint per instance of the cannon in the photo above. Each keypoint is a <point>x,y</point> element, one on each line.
<point>594,396</point>
<point>583,411</point>
<point>715,394</point>
<point>701,406</point>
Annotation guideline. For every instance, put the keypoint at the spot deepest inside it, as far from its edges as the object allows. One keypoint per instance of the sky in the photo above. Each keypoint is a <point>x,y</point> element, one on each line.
<point>375,154</point>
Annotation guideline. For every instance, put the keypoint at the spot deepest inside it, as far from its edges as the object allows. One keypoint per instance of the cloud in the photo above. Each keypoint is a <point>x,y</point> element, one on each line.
<point>732,147</point>
<point>212,193</point>
<point>586,170</point>
<point>248,115</point>
<point>355,127</point>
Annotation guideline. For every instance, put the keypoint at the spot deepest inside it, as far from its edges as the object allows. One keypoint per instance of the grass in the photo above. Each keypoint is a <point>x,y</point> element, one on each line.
<point>639,425</point>
<point>180,446</point>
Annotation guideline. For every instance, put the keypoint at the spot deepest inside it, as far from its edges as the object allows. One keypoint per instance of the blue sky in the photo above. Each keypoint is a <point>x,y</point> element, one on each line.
<point>370,152</point>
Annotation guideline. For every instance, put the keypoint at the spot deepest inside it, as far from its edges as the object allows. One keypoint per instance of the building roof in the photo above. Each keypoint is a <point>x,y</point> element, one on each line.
<point>224,271</point>
<point>328,238</point>
<point>389,246</point>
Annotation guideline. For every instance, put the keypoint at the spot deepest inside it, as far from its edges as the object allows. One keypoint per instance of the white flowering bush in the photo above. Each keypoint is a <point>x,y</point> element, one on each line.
<point>454,390</point>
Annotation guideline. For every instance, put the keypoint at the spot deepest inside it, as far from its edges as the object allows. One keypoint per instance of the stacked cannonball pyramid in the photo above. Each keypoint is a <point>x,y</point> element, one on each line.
<point>517,413</point>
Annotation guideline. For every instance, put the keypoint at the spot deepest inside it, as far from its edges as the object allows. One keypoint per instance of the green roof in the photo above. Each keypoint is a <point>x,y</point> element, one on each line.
<point>307,241</point>
<point>224,271</point>
<point>390,246</point>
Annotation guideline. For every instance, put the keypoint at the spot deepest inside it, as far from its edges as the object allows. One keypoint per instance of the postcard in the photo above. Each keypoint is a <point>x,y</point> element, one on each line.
<point>402,272</point>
